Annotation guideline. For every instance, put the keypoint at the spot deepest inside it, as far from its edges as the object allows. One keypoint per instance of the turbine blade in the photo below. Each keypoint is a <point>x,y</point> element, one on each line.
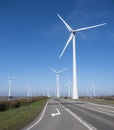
<point>68,27</point>
<point>62,70</point>
<point>80,29</point>
<point>70,38</point>
<point>53,70</point>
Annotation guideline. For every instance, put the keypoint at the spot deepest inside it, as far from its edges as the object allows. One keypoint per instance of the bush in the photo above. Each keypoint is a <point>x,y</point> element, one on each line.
<point>3,106</point>
<point>6,104</point>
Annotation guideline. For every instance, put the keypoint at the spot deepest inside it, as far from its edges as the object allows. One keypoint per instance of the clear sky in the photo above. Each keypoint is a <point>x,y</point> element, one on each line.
<point>32,38</point>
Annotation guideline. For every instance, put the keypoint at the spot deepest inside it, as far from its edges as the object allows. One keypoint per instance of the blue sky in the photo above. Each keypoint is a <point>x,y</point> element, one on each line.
<point>32,38</point>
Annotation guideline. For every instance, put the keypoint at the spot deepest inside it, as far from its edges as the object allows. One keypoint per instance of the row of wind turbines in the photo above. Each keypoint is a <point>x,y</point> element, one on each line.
<point>73,38</point>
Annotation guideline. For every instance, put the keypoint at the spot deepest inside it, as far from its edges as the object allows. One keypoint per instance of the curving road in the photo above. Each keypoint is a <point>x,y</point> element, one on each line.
<point>63,114</point>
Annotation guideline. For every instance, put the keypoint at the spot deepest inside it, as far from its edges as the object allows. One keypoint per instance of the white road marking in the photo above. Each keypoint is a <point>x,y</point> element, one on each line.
<point>97,109</point>
<point>55,114</point>
<point>105,110</point>
<point>110,114</point>
<point>82,106</point>
<point>80,120</point>
<point>39,118</point>
<point>90,127</point>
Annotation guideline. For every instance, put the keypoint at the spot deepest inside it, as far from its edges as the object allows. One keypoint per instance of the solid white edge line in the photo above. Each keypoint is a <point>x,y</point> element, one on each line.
<point>103,110</point>
<point>80,120</point>
<point>90,127</point>
<point>43,112</point>
<point>109,114</point>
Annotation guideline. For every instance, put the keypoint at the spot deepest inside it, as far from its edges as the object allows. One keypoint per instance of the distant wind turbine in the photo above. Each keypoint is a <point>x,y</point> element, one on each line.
<point>110,92</point>
<point>57,80</point>
<point>48,93</point>
<point>10,86</point>
<point>72,37</point>
<point>28,89</point>
<point>93,87</point>
<point>68,84</point>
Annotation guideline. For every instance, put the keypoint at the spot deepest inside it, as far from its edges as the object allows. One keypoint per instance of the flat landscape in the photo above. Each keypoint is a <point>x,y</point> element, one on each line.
<point>56,64</point>
<point>70,114</point>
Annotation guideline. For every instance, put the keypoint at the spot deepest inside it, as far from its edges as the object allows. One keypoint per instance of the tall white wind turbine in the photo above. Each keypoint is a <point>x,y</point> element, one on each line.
<point>57,80</point>
<point>72,37</point>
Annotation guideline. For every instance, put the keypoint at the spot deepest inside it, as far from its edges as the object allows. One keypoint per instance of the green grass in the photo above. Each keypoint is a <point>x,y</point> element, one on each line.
<point>17,118</point>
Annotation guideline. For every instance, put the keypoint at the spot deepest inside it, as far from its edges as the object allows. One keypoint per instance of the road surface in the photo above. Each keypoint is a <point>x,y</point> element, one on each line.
<point>63,114</point>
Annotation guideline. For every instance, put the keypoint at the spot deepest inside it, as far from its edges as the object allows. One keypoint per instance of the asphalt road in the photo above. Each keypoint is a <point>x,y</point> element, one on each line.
<point>74,115</point>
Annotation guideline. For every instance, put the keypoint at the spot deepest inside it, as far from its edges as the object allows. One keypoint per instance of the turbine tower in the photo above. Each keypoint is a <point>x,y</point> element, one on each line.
<point>72,37</point>
<point>57,80</point>
<point>68,84</point>
<point>93,87</point>
<point>10,87</point>
<point>28,89</point>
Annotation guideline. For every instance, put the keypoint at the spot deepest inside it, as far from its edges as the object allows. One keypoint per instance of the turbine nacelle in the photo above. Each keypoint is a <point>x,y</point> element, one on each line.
<point>58,72</point>
<point>73,31</point>
<point>10,78</point>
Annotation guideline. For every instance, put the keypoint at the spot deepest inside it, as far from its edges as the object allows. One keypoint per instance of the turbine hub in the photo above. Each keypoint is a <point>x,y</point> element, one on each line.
<point>74,32</point>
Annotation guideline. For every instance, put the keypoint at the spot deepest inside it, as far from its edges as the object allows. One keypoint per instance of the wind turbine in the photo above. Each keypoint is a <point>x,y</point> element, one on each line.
<point>57,80</point>
<point>110,92</point>
<point>48,93</point>
<point>28,89</point>
<point>10,86</point>
<point>68,84</point>
<point>72,37</point>
<point>93,87</point>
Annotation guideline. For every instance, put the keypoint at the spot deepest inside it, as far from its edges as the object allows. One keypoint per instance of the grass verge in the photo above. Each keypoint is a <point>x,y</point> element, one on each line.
<point>97,100</point>
<point>15,119</point>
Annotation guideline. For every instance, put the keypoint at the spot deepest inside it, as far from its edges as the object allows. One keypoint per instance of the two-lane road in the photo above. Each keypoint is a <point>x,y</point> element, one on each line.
<point>99,116</point>
<point>62,114</point>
